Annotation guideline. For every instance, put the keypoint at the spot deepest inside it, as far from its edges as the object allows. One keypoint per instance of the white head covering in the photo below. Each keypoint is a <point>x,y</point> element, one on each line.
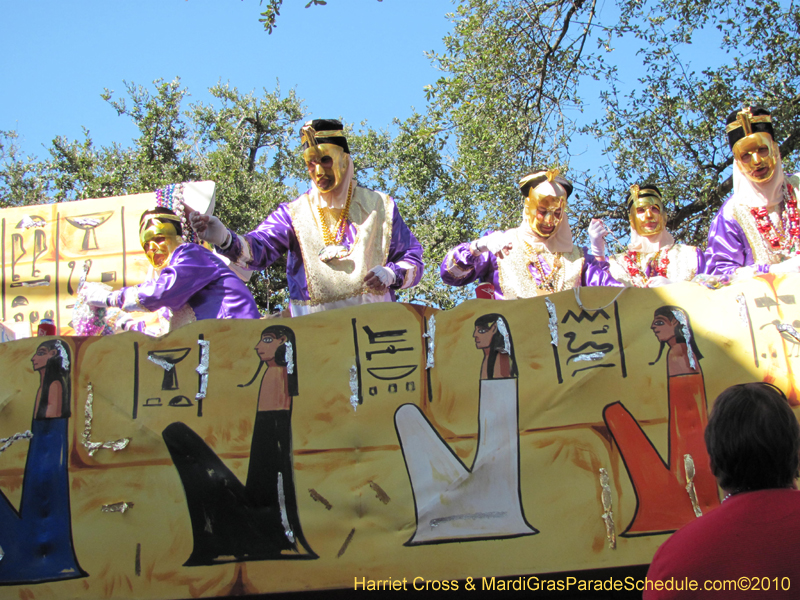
<point>653,243</point>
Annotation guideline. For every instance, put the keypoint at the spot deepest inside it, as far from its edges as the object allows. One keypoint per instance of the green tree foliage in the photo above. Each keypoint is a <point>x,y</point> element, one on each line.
<point>668,128</point>
<point>243,142</point>
<point>521,86</point>
<point>521,76</point>
<point>507,102</point>
<point>23,179</point>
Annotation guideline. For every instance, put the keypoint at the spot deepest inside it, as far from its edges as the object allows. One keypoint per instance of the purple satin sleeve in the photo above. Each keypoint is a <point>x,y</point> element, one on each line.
<point>460,267</point>
<point>701,261</point>
<point>728,248</point>
<point>404,248</point>
<point>595,272</point>
<point>274,237</point>
<point>198,278</point>
<point>268,242</point>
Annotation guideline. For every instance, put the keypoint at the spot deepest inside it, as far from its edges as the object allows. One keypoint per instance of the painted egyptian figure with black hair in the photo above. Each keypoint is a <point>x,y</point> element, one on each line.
<point>653,257</point>
<point>192,283</point>
<point>662,486</point>
<point>36,540</point>
<point>494,339</point>
<point>257,520</point>
<point>535,258</point>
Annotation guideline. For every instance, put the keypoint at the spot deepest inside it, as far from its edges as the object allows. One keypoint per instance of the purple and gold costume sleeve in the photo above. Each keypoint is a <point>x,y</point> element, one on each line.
<point>595,272</point>
<point>728,248</point>
<point>461,267</point>
<point>267,243</point>
<point>701,261</point>
<point>405,254</point>
<point>195,277</point>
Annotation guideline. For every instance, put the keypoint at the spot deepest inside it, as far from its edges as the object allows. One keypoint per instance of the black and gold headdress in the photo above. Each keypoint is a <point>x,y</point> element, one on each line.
<point>749,120</point>
<point>324,131</point>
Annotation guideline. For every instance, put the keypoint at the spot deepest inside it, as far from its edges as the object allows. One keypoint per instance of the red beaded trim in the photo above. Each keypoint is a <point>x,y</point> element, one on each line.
<point>658,264</point>
<point>791,223</point>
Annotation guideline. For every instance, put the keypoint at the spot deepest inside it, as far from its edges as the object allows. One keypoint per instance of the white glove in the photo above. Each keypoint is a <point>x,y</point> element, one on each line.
<point>209,229</point>
<point>597,238</point>
<point>96,295</point>
<point>658,281</point>
<point>497,243</point>
<point>791,265</point>
<point>379,277</point>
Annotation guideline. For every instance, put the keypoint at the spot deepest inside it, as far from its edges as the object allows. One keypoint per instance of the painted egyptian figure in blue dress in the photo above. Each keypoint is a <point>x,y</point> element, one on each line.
<point>36,539</point>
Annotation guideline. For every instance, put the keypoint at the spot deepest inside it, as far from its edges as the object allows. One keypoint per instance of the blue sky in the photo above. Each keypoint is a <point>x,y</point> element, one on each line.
<point>355,59</point>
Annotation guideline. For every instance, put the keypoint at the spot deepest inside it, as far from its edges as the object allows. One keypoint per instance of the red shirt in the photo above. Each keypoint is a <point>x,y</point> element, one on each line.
<point>746,548</point>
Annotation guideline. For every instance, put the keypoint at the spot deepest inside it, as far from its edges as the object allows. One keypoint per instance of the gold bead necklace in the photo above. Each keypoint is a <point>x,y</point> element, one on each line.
<point>329,238</point>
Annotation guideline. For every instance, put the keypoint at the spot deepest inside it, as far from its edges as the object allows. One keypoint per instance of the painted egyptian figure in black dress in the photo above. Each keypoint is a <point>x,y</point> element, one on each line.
<point>36,540</point>
<point>257,520</point>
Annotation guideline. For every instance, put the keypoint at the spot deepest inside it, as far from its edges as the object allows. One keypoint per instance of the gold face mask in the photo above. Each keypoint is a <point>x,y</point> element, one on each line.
<point>159,240</point>
<point>647,216</point>
<point>756,156</point>
<point>327,165</point>
<point>544,208</point>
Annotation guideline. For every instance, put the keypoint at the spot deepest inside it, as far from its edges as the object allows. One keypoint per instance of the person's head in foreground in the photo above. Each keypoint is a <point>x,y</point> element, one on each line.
<point>753,439</point>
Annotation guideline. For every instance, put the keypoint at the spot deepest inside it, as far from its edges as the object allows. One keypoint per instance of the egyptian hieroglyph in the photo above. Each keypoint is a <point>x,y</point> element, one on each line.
<point>380,441</point>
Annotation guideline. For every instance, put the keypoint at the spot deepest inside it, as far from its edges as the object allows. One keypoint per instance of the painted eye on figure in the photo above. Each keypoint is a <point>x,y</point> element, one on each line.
<point>268,339</point>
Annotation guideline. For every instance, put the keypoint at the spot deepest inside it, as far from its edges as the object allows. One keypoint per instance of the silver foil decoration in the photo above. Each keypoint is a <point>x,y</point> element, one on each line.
<point>28,223</point>
<point>552,323</point>
<point>501,327</point>
<point>202,368</point>
<point>687,335</point>
<point>282,503</point>
<point>91,446</point>
<point>64,356</point>
<point>354,387</point>
<point>496,514</point>
<point>289,357</point>
<point>87,264</point>
<point>164,364</point>
<point>591,356</point>
<point>740,299</point>
<point>786,328</point>
<point>25,435</point>
<point>431,341</point>
<point>608,513</point>
<point>120,507</point>
<point>688,464</point>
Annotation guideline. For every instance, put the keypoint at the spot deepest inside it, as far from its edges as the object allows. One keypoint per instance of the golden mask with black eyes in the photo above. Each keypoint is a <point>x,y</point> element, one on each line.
<point>327,165</point>
<point>545,207</point>
<point>646,211</point>
<point>159,239</point>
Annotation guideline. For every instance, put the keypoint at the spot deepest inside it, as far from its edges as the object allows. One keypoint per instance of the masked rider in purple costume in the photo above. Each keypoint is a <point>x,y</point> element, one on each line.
<point>346,245</point>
